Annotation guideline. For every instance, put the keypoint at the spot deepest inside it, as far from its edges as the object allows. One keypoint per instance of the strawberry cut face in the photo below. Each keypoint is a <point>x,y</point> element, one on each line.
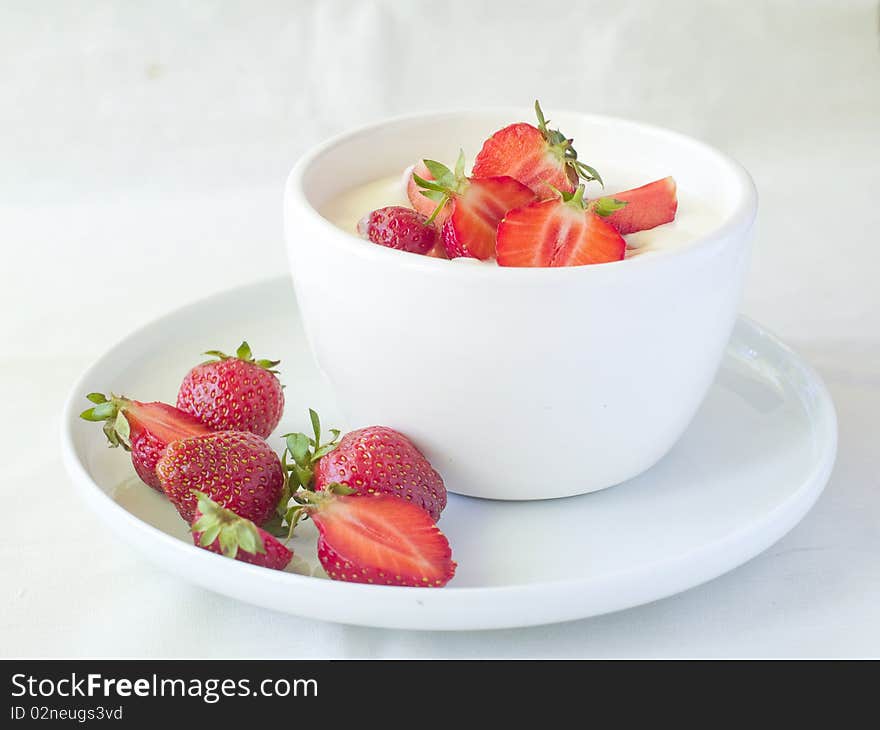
<point>539,157</point>
<point>554,233</point>
<point>383,540</point>
<point>522,152</point>
<point>472,226</point>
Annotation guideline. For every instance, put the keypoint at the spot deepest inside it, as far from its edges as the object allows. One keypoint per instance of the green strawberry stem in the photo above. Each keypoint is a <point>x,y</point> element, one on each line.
<point>606,206</point>
<point>603,207</point>
<point>112,411</point>
<point>445,185</point>
<point>235,533</point>
<point>562,146</point>
<point>244,353</point>
<point>306,501</point>
<point>301,452</point>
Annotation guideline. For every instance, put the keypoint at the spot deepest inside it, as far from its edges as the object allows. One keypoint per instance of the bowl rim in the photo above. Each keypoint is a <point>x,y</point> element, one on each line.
<point>733,227</point>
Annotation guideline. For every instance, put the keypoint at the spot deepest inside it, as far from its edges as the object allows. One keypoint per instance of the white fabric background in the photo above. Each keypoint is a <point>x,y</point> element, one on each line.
<point>142,154</point>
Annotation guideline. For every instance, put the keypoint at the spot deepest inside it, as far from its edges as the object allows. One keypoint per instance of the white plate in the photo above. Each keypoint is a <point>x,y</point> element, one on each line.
<point>749,467</point>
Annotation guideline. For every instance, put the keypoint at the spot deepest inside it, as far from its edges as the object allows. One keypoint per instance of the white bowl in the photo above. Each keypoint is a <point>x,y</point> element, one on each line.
<point>520,383</point>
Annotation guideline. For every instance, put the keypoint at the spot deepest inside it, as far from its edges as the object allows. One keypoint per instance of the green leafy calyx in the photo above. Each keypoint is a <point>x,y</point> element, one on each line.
<point>562,146</point>
<point>244,353</point>
<point>606,206</point>
<point>234,533</point>
<point>112,412</point>
<point>301,453</point>
<point>445,185</point>
<point>601,206</point>
<point>575,198</point>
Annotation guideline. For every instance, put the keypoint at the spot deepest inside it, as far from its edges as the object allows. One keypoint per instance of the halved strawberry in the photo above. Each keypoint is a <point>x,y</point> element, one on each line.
<point>378,539</point>
<point>474,207</point>
<point>541,158</point>
<point>144,429</point>
<point>647,207</point>
<point>562,232</point>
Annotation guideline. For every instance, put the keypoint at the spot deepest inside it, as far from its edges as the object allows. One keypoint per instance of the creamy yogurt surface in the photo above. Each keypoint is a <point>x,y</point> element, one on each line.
<point>693,218</point>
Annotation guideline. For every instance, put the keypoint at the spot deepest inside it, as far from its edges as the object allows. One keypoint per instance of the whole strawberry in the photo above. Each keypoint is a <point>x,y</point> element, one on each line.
<point>236,469</point>
<point>223,532</point>
<point>144,429</point>
<point>234,393</point>
<point>381,460</point>
<point>373,460</point>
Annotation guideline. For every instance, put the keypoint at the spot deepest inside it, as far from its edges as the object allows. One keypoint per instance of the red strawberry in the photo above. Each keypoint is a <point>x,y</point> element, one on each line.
<point>223,532</point>
<point>234,393</point>
<point>378,539</point>
<point>474,207</point>
<point>541,158</point>
<point>382,460</point>
<point>561,232</point>
<point>401,228</point>
<point>144,429</point>
<point>367,461</point>
<point>647,207</point>
<point>236,469</point>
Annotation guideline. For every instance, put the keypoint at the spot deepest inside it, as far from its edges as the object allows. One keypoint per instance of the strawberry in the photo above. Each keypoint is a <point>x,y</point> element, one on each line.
<point>473,207</point>
<point>541,158</point>
<point>237,469</point>
<point>649,206</point>
<point>370,460</point>
<point>223,532</point>
<point>381,460</point>
<point>401,228</point>
<point>562,232</point>
<point>377,539</point>
<point>234,393</point>
<point>144,429</point>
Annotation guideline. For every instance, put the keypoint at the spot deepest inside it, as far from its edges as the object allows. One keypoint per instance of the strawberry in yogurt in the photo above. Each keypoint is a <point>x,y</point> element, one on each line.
<point>524,204</point>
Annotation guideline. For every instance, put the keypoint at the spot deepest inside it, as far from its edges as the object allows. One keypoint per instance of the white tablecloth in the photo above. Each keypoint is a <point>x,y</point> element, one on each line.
<point>142,154</point>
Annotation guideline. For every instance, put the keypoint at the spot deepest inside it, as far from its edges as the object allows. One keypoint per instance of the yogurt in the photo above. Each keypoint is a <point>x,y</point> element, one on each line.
<point>693,218</point>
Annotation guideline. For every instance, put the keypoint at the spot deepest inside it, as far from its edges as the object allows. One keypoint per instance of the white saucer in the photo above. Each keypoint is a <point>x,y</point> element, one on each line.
<point>749,467</point>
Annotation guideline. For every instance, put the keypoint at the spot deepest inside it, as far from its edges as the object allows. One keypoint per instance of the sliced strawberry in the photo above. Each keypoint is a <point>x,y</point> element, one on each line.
<point>144,429</point>
<point>561,232</point>
<point>647,207</point>
<point>541,158</point>
<point>473,208</point>
<point>379,539</point>
<point>471,228</point>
